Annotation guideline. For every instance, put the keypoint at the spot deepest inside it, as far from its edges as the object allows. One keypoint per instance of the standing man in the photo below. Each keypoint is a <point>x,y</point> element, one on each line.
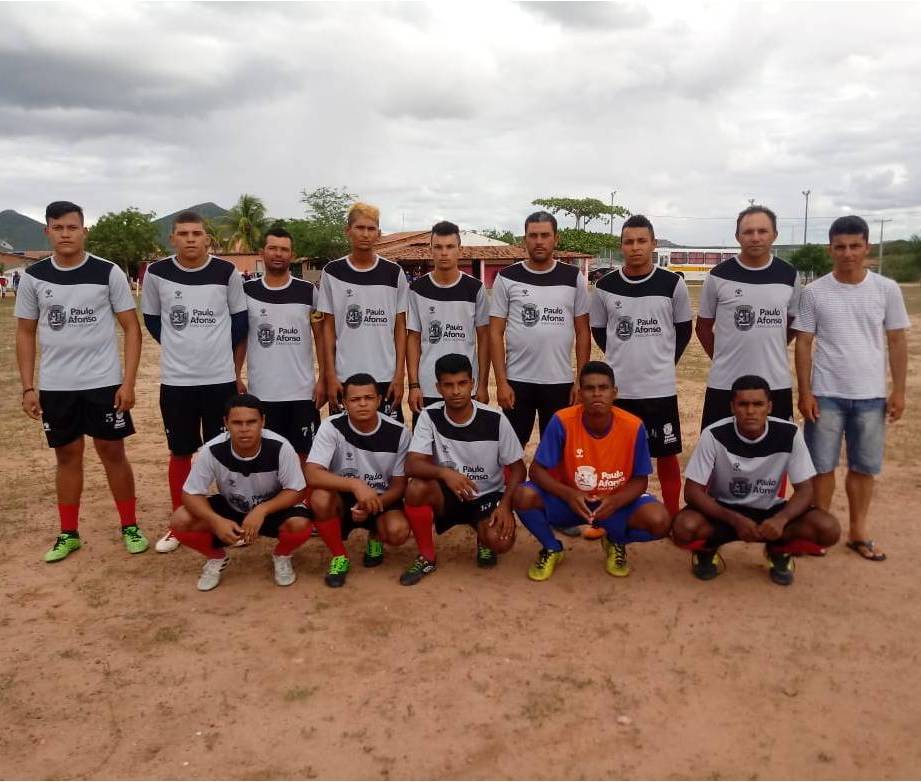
<point>537,306</point>
<point>280,345</point>
<point>448,313</point>
<point>194,306</point>
<point>364,299</point>
<point>852,315</point>
<point>71,300</point>
<point>641,319</point>
<point>746,307</point>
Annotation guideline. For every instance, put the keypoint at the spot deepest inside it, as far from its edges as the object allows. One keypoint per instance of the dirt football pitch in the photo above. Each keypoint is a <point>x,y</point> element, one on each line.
<point>114,666</point>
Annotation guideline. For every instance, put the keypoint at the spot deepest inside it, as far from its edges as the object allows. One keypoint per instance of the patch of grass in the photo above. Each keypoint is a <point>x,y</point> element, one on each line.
<point>169,634</point>
<point>299,694</point>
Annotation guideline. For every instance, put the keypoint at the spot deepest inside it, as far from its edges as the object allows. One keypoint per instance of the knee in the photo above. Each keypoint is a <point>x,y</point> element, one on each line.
<point>111,452</point>
<point>324,503</point>
<point>394,530</point>
<point>181,520</point>
<point>828,530</point>
<point>295,525</point>
<point>657,521</point>
<point>526,498</point>
<point>70,455</point>
<point>686,526</point>
<point>418,491</point>
<point>489,537</point>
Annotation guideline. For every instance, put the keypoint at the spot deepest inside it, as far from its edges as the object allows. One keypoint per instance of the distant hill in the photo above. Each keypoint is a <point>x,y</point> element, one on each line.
<point>21,232</point>
<point>164,224</point>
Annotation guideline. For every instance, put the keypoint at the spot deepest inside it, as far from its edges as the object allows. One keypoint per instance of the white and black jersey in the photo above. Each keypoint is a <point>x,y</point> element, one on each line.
<point>279,349</point>
<point>246,482</point>
<point>446,317</point>
<point>375,457</point>
<point>365,304</point>
<point>746,472</point>
<point>752,309</point>
<point>75,308</point>
<point>539,309</point>
<point>478,449</point>
<point>639,316</point>
<point>194,306</point>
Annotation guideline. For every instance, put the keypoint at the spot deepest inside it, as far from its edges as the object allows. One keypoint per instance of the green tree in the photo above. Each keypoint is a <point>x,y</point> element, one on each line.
<point>128,238</point>
<point>902,259</point>
<point>245,224</point>
<point>583,210</point>
<point>811,260</point>
<point>500,236</point>
<point>320,236</point>
<point>599,244</point>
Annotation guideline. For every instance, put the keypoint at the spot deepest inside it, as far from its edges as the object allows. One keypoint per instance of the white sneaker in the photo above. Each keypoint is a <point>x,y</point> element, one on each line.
<point>169,542</point>
<point>284,570</point>
<point>211,573</point>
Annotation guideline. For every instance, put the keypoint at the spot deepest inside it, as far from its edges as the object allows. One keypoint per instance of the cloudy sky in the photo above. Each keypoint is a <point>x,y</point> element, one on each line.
<point>469,111</point>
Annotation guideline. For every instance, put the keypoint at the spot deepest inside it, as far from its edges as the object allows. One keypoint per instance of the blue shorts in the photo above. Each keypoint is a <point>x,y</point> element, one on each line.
<point>560,515</point>
<point>862,424</point>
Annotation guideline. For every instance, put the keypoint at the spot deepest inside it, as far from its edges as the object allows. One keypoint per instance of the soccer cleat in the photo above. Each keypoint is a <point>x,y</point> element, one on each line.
<point>706,565</point>
<point>418,570</point>
<point>284,570</point>
<point>64,545</point>
<point>781,567</point>
<point>169,542</point>
<point>338,570</point>
<point>134,540</point>
<point>374,553</point>
<point>486,557</point>
<point>545,564</point>
<point>615,558</point>
<point>211,573</point>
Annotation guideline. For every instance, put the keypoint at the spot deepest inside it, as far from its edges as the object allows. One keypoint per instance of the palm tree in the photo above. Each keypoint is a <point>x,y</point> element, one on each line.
<point>245,224</point>
<point>220,236</point>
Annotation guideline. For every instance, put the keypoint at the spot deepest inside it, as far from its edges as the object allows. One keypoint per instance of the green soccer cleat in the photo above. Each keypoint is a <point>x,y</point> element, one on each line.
<point>615,558</point>
<point>706,565</point>
<point>545,564</point>
<point>486,557</point>
<point>338,570</point>
<point>374,553</point>
<point>134,540</point>
<point>65,544</point>
<point>418,570</point>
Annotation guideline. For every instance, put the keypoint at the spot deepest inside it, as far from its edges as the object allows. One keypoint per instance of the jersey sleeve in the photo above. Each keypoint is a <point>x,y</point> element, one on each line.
<point>481,308</point>
<point>805,316</point>
<point>290,474</point>
<point>707,306</point>
<point>681,303</point>
<point>800,468</point>
<point>498,307</point>
<point>598,317</point>
<point>399,466</point>
<point>26,299</point>
<point>896,315</point>
<point>793,304</point>
<point>120,296</point>
<point>510,450</point>
<point>402,292</point>
<point>325,299</point>
<point>423,436</point>
<point>582,303</point>
<point>413,323</point>
<point>703,460</point>
<point>642,462</point>
<point>323,449</point>
<point>236,298</point>
<point>150,295</point>
<point>201,476</point>
<point>550,449</point>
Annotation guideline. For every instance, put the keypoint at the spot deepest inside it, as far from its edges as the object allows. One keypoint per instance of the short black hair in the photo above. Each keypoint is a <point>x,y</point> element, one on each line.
<point>359,379</point>
<point>57,209</point>
<point>749,383</point>
<point>446,228</point>
<point>638,221</point>
<point>849,224</point>
<point>278,232</point>
<point>451,364</point>
<point>540,217</point>
<point>244,400</point>
<point>597,368</point>
<point>187,216</point>
<point>757,209</point>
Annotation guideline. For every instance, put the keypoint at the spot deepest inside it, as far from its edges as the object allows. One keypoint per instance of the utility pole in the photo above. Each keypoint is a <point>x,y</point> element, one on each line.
<point>806,218</point>
<point>611,248</point>
<point>882,222</point>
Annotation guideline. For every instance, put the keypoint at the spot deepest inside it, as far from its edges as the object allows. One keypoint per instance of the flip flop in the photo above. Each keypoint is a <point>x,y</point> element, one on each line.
<point>866,549</point>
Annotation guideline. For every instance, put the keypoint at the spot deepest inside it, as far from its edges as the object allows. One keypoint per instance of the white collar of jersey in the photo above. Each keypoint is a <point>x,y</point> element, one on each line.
<point>437,284</point>
<point>245,458</point>
<point>754,268</point>
<point>635,280</point>
<point>276,287</point>
<point>538,271</point>
<point>358,431</point>
<point>192,270</point>
<point>56,265</point>
<point>353,267</point>
<point>744,439</point>
<point>465,423</point>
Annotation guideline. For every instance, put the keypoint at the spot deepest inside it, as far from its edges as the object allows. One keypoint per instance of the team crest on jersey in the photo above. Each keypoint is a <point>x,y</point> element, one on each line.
<point>49,293</point>
<point>530,315</point>
<point>449,465</point>
<point>177,293</point>
<point>624,328</point>
<point>435,331</point>
<point>265,334</point>
<point>349,473</point>
<point>57,317</point>
<point>353,316</point>
<point>239,502</point>
<point>179,316</point>
<point>586,477</point>
<point>744,317</point>
<point>740,487</point>
<point>618,304</point>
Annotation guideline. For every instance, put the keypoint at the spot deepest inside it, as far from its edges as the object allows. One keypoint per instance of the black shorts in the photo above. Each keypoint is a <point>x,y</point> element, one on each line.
<point>660,417</point>
<point>296,421</point>
<point>349,525</point>
<point>530,398</point>
<point>726,533</point>
<point>270,526</point>
<point>716,405</point>
<point>394,412</point>
<point>471,512</point>
<point>426,401</point>
<point>193,414</point>
<point>68,415</point>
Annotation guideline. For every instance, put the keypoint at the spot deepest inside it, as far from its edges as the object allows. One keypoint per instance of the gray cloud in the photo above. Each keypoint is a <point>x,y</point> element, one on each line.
<point>594,16</point>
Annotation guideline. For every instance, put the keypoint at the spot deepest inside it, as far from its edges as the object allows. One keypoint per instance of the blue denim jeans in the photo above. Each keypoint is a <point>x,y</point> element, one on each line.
<point>862,424</point>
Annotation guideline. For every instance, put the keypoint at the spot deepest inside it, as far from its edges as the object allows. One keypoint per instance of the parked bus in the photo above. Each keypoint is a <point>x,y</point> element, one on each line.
<point>692,263</point>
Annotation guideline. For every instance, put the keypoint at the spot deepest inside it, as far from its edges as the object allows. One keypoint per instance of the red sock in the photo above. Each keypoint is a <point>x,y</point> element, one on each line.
<point>331,532</point>
<point>694,545</point>
<point>127,511</point>
<point>69,514</point>
<point>420,519</point>
<point>201,542</point>
<point>797,546</point>
<point>669,472</point>
<point>179,469</point>
<point>288,541</point>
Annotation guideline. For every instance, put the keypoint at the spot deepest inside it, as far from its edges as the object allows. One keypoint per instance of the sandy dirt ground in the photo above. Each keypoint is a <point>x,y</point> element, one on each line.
<point>113,666</point>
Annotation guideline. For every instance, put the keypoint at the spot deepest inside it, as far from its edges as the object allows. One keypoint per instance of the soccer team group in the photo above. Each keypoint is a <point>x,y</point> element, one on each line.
<point>268,465</point>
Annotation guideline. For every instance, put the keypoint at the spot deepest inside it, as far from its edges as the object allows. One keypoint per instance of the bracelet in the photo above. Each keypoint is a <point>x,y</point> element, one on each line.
<point>26,391</point>
<point>414,385</point>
